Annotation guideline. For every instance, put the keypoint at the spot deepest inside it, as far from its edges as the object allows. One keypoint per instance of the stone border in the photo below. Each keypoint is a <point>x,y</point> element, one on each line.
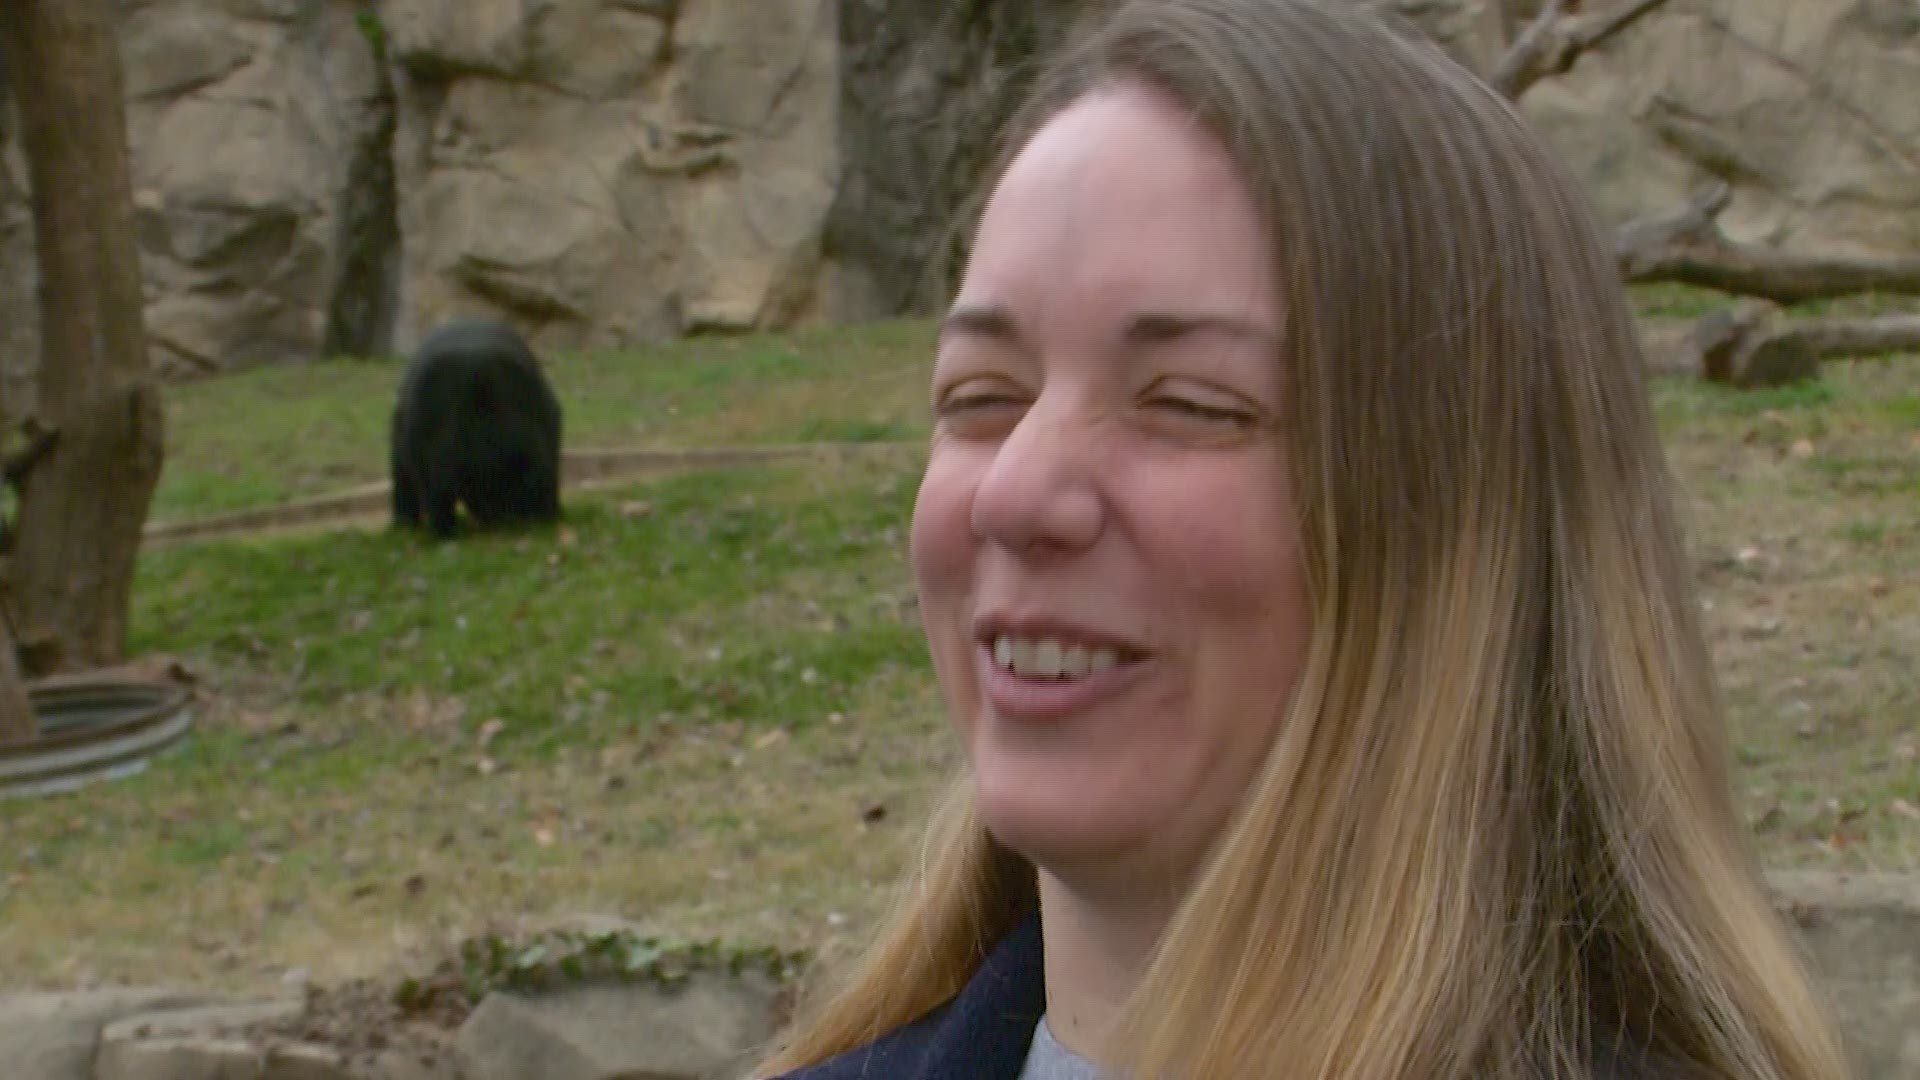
<point>1861,933</point>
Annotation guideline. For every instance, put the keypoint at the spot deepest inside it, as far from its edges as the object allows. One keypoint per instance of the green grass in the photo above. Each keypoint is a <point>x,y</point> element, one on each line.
<point>1671,300</point>
<point>703,702</point>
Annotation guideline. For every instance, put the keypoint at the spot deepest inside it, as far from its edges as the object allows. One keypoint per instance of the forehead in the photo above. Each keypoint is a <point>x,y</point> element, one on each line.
<point>1123,201</point>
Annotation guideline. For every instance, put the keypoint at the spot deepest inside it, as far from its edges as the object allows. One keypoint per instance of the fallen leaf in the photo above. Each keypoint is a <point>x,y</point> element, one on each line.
<point>636,509</point>
<point>1905,809</point>
<point>770,738</point>
<point>1801,448</point>
<point>568,538</point>
<point>489,729</point>
<point>487,766</point>
<point>543,837</point>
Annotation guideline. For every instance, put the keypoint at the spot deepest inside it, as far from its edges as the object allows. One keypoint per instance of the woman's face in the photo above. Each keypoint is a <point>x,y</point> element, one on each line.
<point>1105,542</point>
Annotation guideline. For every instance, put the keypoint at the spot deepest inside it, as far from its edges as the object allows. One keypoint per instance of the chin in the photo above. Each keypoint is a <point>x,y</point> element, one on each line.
<point>1055,836</point>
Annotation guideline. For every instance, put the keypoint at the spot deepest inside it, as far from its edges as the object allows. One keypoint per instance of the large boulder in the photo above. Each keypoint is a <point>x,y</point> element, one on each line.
<point>606,171</point>
<point>241,120</point>
<point>55,1036</point>
<point>1861,933</point>
<point>706,1028</point>
<point>1810,109</point>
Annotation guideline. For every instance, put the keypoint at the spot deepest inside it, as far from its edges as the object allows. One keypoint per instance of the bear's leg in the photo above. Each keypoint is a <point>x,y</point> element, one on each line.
<point>442,502</point>
<point>406,497</point>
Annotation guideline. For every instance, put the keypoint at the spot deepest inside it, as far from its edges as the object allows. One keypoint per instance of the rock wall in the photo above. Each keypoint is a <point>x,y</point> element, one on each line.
<point>323,176</point>
<point>1809,108</point>
<point>241,118</point>
<point>607,171</point>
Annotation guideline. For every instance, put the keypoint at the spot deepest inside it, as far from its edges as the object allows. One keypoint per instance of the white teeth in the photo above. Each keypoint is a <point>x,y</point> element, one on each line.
<point>1046,658</point>
<point>1050,659</point>
<point>1025,657</point>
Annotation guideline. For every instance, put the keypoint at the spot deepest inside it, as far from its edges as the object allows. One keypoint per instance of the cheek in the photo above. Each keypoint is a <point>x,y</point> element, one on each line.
<point>942,536</point>
<point>1228,542</point>
<point>942,553</point>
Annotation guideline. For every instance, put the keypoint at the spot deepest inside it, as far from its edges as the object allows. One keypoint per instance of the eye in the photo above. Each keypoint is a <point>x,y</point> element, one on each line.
<point>980,407</point>
<point>1206,411</point>
<point>972,401</point>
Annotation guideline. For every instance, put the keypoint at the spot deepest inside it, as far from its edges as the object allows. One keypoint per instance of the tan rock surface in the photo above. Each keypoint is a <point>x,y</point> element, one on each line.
<point>566,171</point>
<point>1809,108</point>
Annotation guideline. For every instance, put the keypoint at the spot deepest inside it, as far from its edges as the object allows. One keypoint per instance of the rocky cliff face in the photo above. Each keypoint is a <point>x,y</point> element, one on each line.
<point>318,176</point>
<point>242,118</point>
<point>606,171</point>
<point>1809,108</point>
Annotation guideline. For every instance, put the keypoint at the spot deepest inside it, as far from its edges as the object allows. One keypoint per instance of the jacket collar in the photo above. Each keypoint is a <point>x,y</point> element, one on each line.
<point>982,1034</point>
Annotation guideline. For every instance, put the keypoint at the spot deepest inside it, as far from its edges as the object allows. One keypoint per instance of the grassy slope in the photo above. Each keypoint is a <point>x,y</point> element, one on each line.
<point>704,704</point>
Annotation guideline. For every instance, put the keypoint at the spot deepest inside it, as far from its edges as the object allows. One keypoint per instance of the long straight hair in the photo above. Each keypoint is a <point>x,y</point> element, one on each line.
<point>1494,836</point>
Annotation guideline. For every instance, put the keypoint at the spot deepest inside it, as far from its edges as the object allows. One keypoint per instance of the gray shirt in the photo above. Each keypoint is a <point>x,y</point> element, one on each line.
<point>1048,1060</point>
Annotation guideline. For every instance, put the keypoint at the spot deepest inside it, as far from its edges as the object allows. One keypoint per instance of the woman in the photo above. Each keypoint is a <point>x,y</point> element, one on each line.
<point>1297,558</point>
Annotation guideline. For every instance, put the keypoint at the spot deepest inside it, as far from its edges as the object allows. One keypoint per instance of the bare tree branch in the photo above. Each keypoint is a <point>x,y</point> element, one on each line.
<point>1555,39</point>
<point>1687,246</point>
<point>1752,345</point>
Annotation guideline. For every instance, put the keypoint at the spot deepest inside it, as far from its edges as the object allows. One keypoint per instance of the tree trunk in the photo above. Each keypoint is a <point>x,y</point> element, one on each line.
<point>1687,246</point>
<point>82,509</point>
<point>17,722</point>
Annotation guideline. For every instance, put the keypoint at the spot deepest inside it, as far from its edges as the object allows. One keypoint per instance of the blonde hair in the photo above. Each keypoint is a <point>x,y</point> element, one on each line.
<point>1494,837</point>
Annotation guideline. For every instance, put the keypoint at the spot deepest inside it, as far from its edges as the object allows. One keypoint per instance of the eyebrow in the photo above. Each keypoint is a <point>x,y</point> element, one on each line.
<point>996,322</point>
<point>1158,326</point>
<point>983,320</point>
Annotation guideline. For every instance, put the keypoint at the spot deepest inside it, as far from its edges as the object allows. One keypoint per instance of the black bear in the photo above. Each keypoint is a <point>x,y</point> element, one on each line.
<point>477,425</point>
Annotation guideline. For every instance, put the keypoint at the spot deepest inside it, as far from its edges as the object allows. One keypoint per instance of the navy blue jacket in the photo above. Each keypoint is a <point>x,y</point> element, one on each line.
<point>982,1034</point>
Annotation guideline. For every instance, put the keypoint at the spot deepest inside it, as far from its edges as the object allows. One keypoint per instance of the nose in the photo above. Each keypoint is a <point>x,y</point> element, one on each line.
<point>1041,494</point>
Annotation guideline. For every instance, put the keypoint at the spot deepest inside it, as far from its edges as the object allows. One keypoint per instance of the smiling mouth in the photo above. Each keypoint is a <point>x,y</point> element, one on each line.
<point>1051,658</point>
